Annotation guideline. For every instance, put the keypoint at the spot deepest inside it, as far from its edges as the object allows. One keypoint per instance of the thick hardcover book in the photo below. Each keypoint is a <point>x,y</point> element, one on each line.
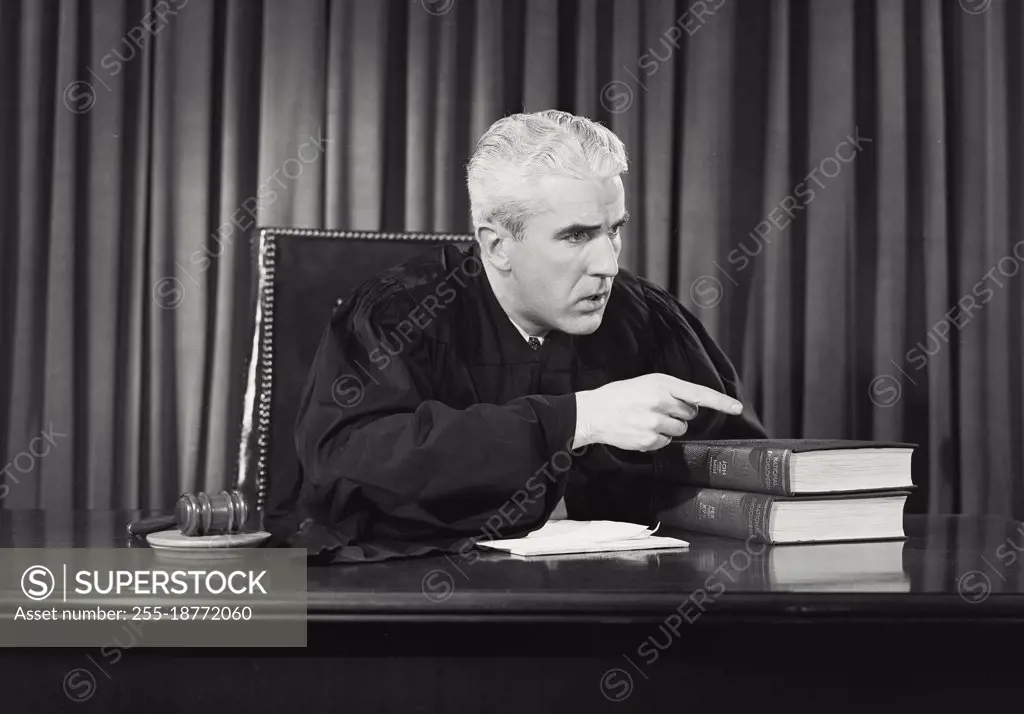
<point>787,467</point>
<point>783,519</point>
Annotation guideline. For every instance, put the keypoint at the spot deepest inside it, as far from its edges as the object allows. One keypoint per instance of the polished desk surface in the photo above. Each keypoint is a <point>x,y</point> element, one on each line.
<point>949,567</point>
<point>887,624</point>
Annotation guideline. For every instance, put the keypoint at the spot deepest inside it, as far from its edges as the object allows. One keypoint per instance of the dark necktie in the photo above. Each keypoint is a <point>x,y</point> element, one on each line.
<point>534,344</point>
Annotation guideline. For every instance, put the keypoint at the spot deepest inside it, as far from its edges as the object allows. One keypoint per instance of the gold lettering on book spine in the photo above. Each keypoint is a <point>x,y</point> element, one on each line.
<point>772,469</point>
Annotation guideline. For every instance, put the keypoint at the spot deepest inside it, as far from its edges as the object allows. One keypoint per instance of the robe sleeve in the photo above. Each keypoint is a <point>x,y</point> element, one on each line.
<point>388,469</point>
<point>615,484</point>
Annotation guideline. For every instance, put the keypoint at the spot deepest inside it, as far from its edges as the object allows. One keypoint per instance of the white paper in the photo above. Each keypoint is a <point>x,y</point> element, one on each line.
<point>565,536</point>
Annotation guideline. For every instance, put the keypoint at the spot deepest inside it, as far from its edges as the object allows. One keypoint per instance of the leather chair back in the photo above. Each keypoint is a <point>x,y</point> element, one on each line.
<point>302,275</point>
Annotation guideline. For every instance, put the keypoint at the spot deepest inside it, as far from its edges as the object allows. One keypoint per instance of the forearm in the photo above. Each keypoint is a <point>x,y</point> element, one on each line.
<point>437,466</point>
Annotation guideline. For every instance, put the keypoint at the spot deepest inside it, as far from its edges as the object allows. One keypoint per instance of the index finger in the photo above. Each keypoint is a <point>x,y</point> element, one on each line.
<point>702,396</point>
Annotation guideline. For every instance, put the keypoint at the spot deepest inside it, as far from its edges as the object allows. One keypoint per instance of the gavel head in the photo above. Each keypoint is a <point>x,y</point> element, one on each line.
<point>200,514</point>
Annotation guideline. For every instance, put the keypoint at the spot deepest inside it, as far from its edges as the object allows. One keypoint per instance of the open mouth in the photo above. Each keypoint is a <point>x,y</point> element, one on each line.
<point>595,300</point>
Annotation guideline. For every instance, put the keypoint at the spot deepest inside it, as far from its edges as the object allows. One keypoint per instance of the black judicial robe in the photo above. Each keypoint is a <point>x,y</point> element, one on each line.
<point>428,422</point>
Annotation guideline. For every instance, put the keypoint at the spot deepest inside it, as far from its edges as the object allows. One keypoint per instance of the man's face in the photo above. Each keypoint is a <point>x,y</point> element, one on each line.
<point>569,253</point>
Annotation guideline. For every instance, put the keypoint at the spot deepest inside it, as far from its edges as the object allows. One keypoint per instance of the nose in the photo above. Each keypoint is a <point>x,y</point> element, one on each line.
<point>604,257</point>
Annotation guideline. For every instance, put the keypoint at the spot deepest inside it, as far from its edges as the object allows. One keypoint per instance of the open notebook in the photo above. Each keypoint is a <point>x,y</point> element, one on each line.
<point>565,536</point>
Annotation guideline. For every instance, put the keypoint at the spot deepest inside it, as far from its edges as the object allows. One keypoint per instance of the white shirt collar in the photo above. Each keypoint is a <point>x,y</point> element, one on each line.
<point>524,333</point>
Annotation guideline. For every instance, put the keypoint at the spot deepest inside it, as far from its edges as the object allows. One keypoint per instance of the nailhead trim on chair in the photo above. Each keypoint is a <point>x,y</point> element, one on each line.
<point>322,233</point>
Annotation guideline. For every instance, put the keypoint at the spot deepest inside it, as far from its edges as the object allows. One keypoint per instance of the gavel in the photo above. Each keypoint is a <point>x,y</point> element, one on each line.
<point>199,514</point>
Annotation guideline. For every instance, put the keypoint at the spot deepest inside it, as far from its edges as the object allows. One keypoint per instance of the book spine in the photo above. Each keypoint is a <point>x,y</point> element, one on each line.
<point>737,468</point>
<point>732,514</point>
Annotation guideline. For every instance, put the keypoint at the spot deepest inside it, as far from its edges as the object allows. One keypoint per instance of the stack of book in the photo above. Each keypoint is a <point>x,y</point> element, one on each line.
<point>785,490</point>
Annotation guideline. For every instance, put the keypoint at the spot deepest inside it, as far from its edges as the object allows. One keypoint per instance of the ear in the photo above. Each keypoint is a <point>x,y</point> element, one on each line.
<point>494,244</point>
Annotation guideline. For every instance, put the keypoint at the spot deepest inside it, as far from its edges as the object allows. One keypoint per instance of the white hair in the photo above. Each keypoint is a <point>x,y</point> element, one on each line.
<point>518,149</point>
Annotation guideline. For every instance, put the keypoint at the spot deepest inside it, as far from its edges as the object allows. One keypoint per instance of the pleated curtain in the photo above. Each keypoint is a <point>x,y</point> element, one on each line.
<point>143,142</point>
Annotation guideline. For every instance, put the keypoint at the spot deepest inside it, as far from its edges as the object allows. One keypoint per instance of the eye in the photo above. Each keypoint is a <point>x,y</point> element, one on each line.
<point>614,232</point>
<point>578,237</point>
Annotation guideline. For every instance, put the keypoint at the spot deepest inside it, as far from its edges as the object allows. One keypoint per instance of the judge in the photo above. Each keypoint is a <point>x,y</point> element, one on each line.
<point>471,392</point>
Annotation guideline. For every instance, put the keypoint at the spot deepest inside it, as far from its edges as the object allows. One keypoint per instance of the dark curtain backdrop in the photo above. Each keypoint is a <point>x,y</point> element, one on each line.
<point>886,306</point>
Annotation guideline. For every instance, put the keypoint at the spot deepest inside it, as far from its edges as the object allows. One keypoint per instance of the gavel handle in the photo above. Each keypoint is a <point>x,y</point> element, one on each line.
<point>152,524</point>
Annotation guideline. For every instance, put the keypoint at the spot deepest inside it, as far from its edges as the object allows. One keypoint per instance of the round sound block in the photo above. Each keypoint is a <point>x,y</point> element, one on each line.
<point>175,540</point>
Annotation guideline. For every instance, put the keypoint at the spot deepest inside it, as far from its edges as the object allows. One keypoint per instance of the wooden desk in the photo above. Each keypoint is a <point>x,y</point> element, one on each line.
<point>928,621</point>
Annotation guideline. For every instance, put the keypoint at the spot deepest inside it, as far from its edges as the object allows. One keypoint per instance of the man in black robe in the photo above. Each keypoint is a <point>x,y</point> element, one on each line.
<point>471,392</point>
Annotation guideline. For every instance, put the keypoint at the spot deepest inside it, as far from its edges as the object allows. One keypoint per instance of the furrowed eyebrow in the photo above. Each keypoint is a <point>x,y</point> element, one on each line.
<point>575,228</point>
<point>583,228</point>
